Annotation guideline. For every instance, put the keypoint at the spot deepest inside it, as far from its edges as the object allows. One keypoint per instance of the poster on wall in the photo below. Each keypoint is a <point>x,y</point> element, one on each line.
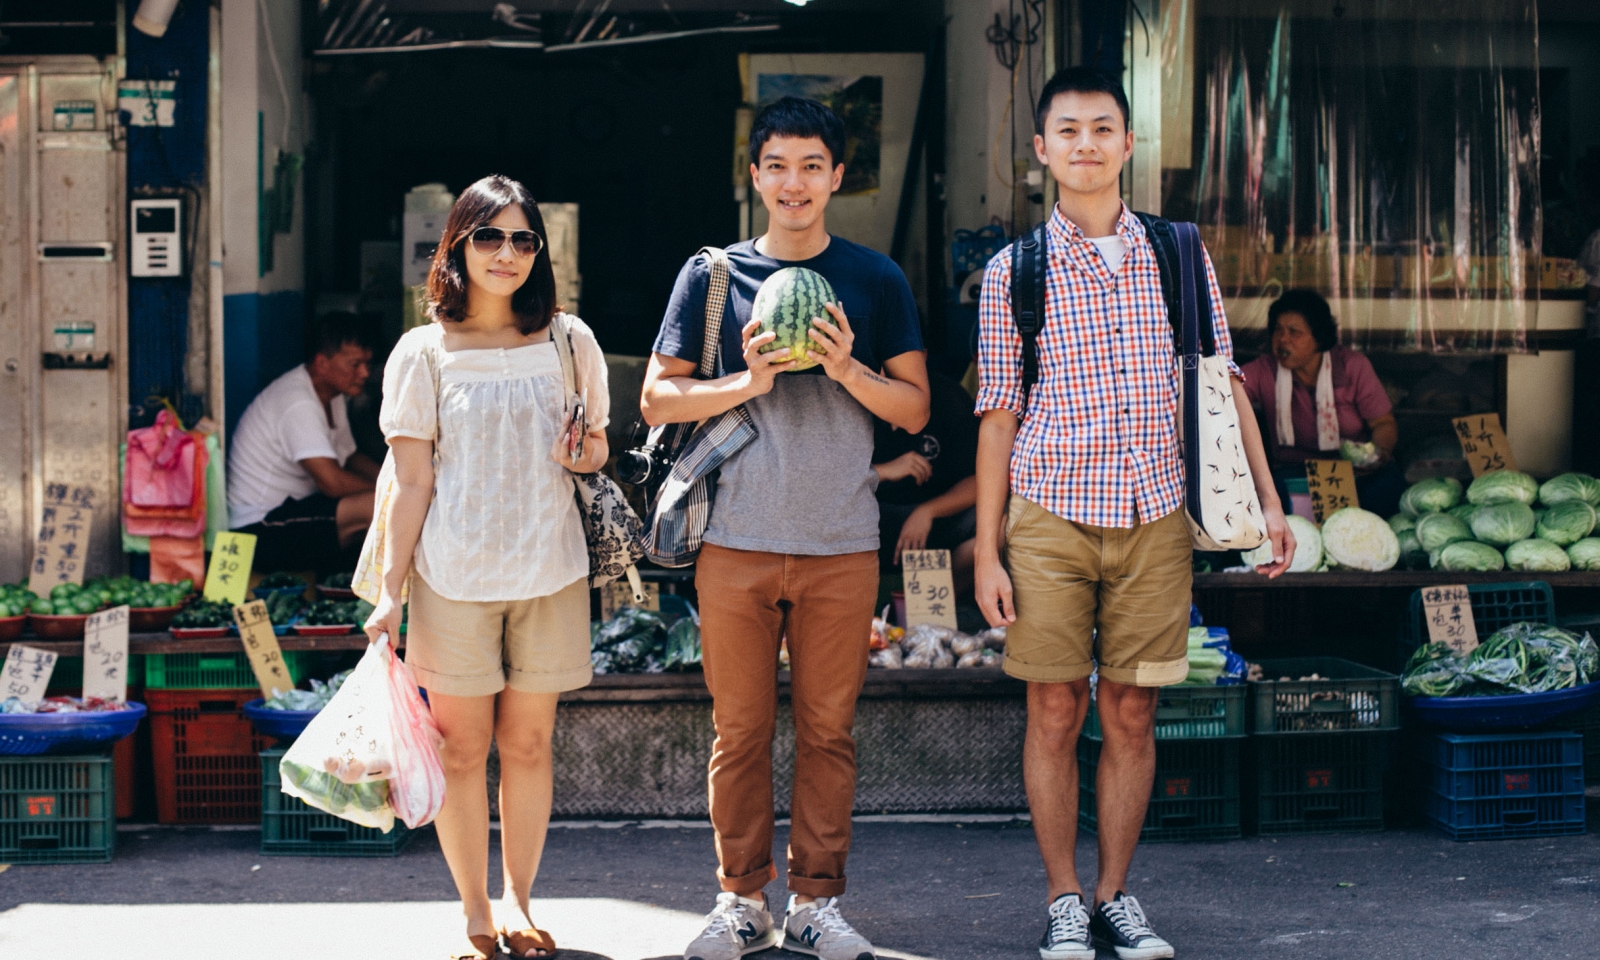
<point>875,94</point>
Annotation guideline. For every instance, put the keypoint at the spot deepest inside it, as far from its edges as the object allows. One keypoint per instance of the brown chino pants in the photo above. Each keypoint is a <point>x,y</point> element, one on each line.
<point>749,601</point>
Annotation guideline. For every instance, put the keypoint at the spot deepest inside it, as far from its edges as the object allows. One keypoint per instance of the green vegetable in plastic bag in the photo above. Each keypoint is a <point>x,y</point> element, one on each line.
<point>1434,671</point>
<point>1502,524</point>
<point>1535,554</point>
<point>364,803</point>
<point>683,645</point>
<point>1566,523</point>
<point>1503,486</point>
<point>1359,454</point>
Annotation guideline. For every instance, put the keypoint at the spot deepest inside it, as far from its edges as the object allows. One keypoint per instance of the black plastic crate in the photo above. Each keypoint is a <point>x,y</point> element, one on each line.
<point>1501,786</point>
<point>1588,724</point>
<point>1318,783</point>
<point>291,827</point>
<point>1494,605</point>
<point>1349,697</point>
<point>57,809</point>
<point>1196,791</point>
<point>1190,713</point>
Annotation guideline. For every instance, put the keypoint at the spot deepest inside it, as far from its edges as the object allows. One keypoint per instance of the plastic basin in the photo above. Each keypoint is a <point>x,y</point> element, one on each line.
<point>30,734</point>
<point>63,627</point>
<point>11,627</point>
<point>150,619</point>
<point>1517,711</point>
<point>281,724</point>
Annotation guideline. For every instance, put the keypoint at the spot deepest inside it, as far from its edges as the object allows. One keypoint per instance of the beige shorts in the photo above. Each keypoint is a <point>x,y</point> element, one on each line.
<point>465,648</point>
<point>1089,595</point>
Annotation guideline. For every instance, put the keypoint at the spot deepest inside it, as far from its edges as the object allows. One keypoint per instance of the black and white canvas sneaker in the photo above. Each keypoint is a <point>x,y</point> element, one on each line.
<point>1120,924</point>
<point>734,928</point>
<point>1066,937</point>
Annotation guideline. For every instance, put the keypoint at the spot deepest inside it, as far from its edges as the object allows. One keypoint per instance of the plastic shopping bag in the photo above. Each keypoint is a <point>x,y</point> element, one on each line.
<point>372,752</point>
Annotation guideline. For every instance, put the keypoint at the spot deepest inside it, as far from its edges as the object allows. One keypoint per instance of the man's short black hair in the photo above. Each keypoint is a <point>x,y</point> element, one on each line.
<point>1079,80</point>
<point>335,329</point>
<point>1310,305</point>
<point>797,117</point>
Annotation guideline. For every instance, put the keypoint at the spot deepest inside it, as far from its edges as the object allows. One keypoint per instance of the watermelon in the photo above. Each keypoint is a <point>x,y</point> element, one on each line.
<point>786,304</point>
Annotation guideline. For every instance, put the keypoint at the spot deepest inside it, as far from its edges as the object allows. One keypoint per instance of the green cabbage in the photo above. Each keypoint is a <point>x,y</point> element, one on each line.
<point>1360,539</point>
<point>1307,551</point>
<point>1585,554</point>
<point>1465,512</point>
<point>1566,523</point>
<point>1469,555</point>
<point>1571,486</point>
<point>1503,486</point>
<point>1401,522</point>
<point>1431,496</point>
<point>1436,531</point>
<point>1536,554</point>
<point>1502,524</point>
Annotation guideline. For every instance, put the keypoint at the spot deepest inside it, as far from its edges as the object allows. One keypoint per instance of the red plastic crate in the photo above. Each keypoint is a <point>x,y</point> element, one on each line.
<point>205,755</point>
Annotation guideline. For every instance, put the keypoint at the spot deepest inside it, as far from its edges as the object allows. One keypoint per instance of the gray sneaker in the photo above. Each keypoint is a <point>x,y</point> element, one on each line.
<point>736,927</point>
<point>818,928</point>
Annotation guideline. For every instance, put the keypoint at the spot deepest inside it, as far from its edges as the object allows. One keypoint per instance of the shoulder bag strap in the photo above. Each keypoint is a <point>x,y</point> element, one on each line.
<point>716,303</point>
<point>560,337</point>
<point>1029,262</point>
<point>1192,295</point>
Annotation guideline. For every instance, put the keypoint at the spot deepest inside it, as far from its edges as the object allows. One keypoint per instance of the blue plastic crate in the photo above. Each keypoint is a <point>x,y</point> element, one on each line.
<point>1489,787</point>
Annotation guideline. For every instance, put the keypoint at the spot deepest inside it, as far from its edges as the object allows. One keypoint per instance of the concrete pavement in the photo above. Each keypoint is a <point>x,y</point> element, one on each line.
<point>940,890</point>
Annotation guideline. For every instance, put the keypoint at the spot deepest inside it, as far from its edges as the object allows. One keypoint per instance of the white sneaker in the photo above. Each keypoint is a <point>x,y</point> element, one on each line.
<point>736,927</point>
<point>1066,937</point>
<point>819,929</point>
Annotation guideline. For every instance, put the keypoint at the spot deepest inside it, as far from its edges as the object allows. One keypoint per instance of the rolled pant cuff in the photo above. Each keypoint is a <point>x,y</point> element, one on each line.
<point>749,883</point>
<point>816,886</point>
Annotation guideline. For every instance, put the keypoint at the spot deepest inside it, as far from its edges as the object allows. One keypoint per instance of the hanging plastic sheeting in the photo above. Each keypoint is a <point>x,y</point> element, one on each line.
<point>1382,152</point>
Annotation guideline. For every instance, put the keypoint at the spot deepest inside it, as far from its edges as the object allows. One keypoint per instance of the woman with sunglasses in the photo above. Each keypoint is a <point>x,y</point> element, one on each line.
<point>483,529</point>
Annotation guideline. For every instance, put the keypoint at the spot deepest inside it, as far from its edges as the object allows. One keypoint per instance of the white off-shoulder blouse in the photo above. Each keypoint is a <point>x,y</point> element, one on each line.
<point>503,524</point>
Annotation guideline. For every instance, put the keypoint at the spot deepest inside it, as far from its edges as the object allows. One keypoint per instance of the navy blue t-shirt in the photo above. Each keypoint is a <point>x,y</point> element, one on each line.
<point>875,295</point>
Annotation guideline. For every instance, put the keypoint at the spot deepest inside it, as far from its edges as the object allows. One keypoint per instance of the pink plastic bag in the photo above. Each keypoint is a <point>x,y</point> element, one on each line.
<point>416,787</point>
<point>160,465</point>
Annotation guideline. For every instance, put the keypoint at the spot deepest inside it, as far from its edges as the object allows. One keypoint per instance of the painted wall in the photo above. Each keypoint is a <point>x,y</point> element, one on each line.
<point>263,310</point>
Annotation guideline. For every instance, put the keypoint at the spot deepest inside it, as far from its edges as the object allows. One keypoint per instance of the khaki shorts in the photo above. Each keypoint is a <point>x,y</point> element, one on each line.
<point>465,648</point>
<point>1071,581</point>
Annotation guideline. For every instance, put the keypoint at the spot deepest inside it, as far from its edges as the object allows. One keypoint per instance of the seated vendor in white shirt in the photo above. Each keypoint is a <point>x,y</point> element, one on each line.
<point>295,479</point>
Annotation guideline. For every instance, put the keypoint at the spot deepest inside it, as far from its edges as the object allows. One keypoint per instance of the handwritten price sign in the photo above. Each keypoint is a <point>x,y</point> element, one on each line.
<point>26,673</point>
<point>1332,485</point>
<point>229,575</point>
<point>930,588</point>
<point>1448,610</point>
<point>105,654</point>
<point>261,646</point>
<point>60,549</point>
<point>1484,443</point>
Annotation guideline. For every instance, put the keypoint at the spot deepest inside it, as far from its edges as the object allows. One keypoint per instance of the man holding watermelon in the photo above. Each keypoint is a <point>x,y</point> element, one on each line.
<point>819,335</point>
<point>1081,492</point>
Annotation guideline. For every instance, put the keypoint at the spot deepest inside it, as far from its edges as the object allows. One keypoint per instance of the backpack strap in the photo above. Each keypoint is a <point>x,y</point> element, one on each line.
<point>1178,268</point>
<point>1029,263</point>
<point>716,302</point>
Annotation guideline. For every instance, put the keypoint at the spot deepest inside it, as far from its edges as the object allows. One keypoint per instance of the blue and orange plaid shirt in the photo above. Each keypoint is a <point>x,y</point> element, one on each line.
<point>1099,442</point>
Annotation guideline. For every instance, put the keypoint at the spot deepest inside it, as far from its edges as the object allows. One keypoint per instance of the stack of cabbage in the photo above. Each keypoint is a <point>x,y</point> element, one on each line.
<point>1506,520</point>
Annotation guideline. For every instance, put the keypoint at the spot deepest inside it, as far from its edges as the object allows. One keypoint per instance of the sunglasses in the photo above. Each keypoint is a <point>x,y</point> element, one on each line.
<point>491,240</point>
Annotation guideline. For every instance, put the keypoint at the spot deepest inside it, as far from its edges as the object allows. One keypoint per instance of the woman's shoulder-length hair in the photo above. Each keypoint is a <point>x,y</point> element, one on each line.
<point>535,301</point>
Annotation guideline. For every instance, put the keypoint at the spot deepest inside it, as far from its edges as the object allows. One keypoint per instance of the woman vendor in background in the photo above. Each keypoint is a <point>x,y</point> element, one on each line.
<point>1313,394</point>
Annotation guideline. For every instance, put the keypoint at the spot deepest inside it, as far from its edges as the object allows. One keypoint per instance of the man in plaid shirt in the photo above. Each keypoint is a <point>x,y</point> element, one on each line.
<point>1096,548</point>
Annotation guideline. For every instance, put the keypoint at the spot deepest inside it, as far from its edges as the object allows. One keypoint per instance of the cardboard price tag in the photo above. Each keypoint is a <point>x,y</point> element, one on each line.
<point>618,594</point>
<point>1332,485</point>
<point>930,588</point>
<point>228,577</point>
<point>1448,610</point>
<point>1484,443</point>
<point>62,546</point>
<point>105,654</point>
<point>26,673</point>
<point>261,646</point>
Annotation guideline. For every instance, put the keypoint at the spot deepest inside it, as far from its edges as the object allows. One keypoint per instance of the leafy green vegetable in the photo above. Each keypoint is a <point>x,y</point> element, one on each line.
<point>1537,554</point>
<point>1503,486</point>
<point>1568,487</point>
<point>1401,522</point>
<point>1412,556</point>
<point>1431,496</point>
<point>1520,658</point>
<point>1435,531</point>
<point>1464,512</point>
<point>1434,671</point>
<point>204,613</point>
<point>1566,523</point>
<point>1307,550</point>
<point>1360,454</point>
<point>1360,539</point>
<point>363,803</point>
<point>279,581</point>
<point>1468,555</point>
<point>1585,554</point>
<point>1502,524</point>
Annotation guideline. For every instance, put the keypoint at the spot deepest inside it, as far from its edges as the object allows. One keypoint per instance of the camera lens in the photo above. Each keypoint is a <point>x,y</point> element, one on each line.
<point>633,466</point>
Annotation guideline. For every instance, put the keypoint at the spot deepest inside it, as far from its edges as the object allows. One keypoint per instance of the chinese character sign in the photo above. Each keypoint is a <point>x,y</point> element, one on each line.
<point>26,673</point>
<point>105,654</point>
<point>1448,610</point>
<point>1332,485</point>
<point>930,588</point>
<point>228,577</point>
<point>60,550</point>
<point>618,594</point>
<point>261,646</point>
<point>1484,443</point>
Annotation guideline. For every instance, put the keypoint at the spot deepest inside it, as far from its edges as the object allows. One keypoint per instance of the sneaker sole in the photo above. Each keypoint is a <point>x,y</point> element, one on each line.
<point>1141,953</point>
<point>766,941</point>
<point>1067,953</point>
<point>795,946</point>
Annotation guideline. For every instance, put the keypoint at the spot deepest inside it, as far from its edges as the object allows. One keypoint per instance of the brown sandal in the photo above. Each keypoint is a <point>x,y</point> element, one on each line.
<point>484,947</point>
<point>519,942</point>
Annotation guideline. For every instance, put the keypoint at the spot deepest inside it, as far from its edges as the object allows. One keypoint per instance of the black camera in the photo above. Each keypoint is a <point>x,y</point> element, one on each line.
<point>651,454</point>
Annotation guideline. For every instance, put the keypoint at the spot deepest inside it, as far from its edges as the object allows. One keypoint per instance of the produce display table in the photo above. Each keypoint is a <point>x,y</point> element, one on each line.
<point>164,642</point>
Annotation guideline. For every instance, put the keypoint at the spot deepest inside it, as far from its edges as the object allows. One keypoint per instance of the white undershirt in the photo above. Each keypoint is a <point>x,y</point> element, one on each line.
<point>1112,250</point>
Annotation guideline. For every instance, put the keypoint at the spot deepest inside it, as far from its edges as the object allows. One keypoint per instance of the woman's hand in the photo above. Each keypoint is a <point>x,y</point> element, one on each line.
<point>385,618</point>
<point>596,451</point>
<point>910,464</point>
<point>914,532</point>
